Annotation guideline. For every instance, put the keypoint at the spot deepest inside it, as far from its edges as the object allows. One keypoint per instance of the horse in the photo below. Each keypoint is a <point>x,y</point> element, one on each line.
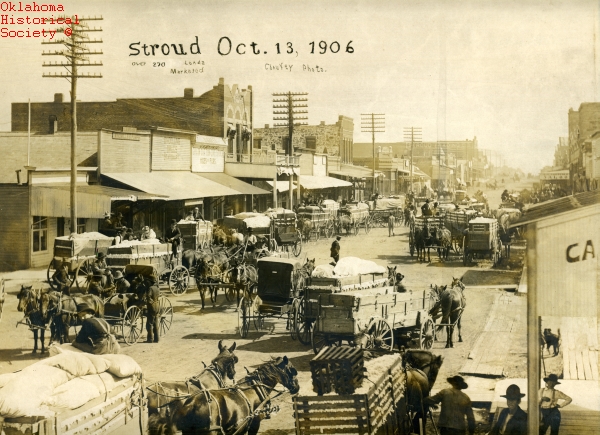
<point>244,276</point>
<point>421,369</point>
<point>409,217</point>
<point>63,310</point>
<point>305,226</point>
<point>164,398</point>
<point>452,302</point>
<point>300,276</point>
<point>34,315</point>
<point>391,225</point>
<point>345,223</point>
<point>211,268</point>
<point>219,236</point>
<point>443,239</point>
<point>423,241</point>
<point>234,410</point>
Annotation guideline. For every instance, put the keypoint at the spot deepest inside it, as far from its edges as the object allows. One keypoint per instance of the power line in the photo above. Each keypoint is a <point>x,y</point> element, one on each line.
<point>288,108</point>
<point>77,53</point>
<point>372,123</point>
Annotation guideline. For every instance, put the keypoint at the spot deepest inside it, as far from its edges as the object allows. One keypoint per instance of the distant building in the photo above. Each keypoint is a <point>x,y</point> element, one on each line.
<point>583,126</point>
<point>561,153</point>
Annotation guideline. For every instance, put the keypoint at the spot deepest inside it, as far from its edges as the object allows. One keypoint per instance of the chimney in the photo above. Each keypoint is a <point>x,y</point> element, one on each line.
<point>322,122</point>
<point>53,124</point>
<point>221,81</point>
<point>188,93</point>
<point>58,98</point>
<point>266,125</point>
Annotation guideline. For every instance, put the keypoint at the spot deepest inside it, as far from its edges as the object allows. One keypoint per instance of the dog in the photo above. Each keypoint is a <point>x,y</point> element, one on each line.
<point>399,286</point>
<point>551,340</point>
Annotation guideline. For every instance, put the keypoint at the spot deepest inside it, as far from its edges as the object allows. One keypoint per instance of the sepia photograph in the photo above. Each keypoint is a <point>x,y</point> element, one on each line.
<point>299,217</point>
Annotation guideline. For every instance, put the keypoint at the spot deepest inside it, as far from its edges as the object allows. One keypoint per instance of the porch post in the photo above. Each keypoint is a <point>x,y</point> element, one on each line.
<point>298,190</point>
<point>291,191</point>
<point>275,191</point>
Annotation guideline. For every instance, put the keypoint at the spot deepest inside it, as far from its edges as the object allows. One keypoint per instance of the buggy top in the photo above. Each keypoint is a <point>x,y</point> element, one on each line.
<point>275,278</point>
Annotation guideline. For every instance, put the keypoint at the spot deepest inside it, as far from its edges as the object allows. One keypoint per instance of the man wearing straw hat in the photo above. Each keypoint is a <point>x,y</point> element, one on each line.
<point>549,405</point>
<point>456,405</point>
<point>512,420</point>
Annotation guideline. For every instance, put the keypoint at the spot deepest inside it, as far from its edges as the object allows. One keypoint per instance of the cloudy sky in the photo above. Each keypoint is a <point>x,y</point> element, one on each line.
<point>504,71</point>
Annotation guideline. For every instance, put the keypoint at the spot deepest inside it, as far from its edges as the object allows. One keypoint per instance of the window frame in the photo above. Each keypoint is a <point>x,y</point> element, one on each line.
<point>39,234</point>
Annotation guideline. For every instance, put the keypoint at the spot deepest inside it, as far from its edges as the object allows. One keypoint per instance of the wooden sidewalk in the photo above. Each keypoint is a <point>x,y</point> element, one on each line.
<point>506,322</point>
<point>579,348</point>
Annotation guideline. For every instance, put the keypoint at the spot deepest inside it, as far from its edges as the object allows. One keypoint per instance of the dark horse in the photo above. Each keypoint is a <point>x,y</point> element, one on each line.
<point>422,368</point>
<point>244,277</point>
<point>165,398</point>
<point>30,304</point>
<point>452,302</point>
<point>423,241</point>
<point>63,310</point>
<point>232,410</point>
<point>211,267</point>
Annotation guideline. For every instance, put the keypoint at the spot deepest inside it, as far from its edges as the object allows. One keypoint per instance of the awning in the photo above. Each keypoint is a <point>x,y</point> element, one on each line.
<point>282,186</point>
<point>355,172</point>
<point>111,192</point>
<point>176,185</point>
<point>232,182</point>
<point>320,182</point>
<point>416,172</point>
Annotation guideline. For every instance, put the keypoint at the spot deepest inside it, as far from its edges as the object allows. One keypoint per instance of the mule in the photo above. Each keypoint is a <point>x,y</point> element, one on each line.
<point>30,305</point>
<point>452,303</point>
<point>443,239</point>
<point>165,398</point>
<point>423,242</point>
<point>422,368</point>
<point>233,410</point>
<point>64,311</point>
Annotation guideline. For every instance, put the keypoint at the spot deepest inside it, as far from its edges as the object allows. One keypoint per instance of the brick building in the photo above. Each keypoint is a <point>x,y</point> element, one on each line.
<point>583,126</point>
<point>223,111</point>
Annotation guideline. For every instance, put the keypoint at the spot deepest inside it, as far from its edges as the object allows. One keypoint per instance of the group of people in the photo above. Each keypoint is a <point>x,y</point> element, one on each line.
<point>457,417</point>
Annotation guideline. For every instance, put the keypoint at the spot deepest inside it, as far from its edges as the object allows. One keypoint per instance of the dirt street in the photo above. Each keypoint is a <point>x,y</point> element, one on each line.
<point>194,334</point>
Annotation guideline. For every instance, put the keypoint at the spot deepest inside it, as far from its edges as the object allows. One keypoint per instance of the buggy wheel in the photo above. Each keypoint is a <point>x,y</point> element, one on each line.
<point>301,325</point>
<point>132,324</point>
<point>297,248</point>
<point>293,315</point>
<point>83,275</point>
<point>165,315</point>
<point>382,334</point>
<point>179,280</point>
<point>426,334</point>
<point>317,338</point>
<point>244,317</point>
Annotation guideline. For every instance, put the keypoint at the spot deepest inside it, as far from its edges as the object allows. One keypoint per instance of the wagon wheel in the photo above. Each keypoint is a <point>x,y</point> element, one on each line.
<point>179,280</point>
<point>165,315</point>
<point>132,324</point>
<point>426,334</point>
<point>297,248</point>
<point>301,325</point>
<point>244,317</point>
<point>318,339</point>
<point>50,272</point>
<point>355,229</point>
<point>382,334</point>
<point>83,275</point>
<point>367,225</point>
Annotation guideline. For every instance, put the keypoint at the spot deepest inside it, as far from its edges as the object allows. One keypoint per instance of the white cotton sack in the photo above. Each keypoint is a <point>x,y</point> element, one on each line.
<point>347,266</point>
<point>6,378</point>
<point>39,382</point>
<point>73,394</point>
<point>122,366</point>
<point>78,364</point>
<point>323,271</point>
<point>105,382</point>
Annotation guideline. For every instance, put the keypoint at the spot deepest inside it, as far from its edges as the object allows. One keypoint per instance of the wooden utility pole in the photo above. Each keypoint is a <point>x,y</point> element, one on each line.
<point>76,52</point>
<point>412,134</point>
<point>373,123</point>
<point>289,108</point>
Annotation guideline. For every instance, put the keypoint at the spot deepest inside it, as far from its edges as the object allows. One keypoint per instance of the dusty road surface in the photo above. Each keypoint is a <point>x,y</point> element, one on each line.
<point>194,334</point>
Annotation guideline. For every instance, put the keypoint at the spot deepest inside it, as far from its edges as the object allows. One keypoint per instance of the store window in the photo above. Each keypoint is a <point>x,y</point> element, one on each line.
<point>257,143</point>
<point>311,142</point>
<point>80,225</point>
<point>39,231</point>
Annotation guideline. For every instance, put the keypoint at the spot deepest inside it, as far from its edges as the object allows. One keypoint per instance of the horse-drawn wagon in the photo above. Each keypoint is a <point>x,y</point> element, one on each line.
<point>128,310</point>
<point>483,238</point>
<point>353,216</point>
<point>75,393</point>
<point>417,240</point>
<point>457,222</point>
<point>195,234</point>
<point>280,285</point>
<point>373,318</point>
<point>79,252</point>
<point>316,221</point>
<point>285,230</point>
<point>383,208</point>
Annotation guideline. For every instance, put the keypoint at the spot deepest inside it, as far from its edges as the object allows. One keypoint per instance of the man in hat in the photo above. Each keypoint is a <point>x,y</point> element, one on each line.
<point>335,249</point>
<point>425,209</point>
<point>549,405</point>
<point>61,279</point>
<point>118,223</point>
<point>100,266</point>
<point>151,295</point>
<point>95,335</point>
<point>456,405</point>
<point>174,238</point>
<point>122,285</point>
<point>198,216</point>
<point>251,240</point>
<point>147,233</point>
<point>512,420</point>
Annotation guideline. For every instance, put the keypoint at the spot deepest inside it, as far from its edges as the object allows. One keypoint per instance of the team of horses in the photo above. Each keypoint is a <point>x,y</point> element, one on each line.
<point>427,237</point>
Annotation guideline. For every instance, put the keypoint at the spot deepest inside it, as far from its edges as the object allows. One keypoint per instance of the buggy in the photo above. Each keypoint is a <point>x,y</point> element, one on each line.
<point>285,231</point>
<point>128,310</point>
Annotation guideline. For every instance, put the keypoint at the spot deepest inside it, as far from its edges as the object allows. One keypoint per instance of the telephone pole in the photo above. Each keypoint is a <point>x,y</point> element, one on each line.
<point>77,55</point>
<point>412,134</point>
<point>373,123</point>
<point>289,108</point>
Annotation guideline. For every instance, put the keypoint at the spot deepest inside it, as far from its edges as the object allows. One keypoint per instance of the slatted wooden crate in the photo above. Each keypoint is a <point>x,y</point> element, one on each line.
<point>376,408</point>
<point>337,368</point>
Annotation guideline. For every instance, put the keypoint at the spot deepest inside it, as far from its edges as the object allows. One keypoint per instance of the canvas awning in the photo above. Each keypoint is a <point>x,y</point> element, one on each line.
<point>282,186</point>
<point>113,193</point>
<point>234,183</point>
<point>176,185</point>
<point>355,172</point>
<point>321,182</point>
